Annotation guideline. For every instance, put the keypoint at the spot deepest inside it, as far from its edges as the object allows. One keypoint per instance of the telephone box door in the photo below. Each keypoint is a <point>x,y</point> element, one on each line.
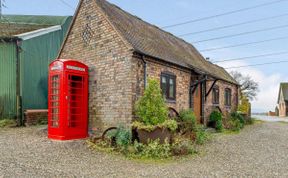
<point>76,103</point>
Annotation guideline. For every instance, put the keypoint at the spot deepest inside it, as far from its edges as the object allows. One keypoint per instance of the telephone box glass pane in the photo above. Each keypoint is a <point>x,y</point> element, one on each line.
<point>54,96</point>
<point>75,96</point>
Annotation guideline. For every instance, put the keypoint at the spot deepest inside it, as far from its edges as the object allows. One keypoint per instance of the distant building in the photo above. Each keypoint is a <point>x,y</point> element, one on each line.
<point>271,113</point>
<point>283,100</point>
<point>276,111</point>
<point>28,44</point>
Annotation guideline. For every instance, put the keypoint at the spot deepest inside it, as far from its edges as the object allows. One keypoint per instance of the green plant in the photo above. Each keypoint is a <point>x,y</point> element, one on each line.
<point>151,107</point>
<point>182,147</point>
<point>216,117</point>
<point>234,125</point>
<point>244,106</point>
<point>238,116</point>
<point>153,150</point>
<point>122,136</point>
<point>201,135</point>
<point>188,118</point>
<point>170,124</point>
<point>7,123</point>
<point>236,121</point>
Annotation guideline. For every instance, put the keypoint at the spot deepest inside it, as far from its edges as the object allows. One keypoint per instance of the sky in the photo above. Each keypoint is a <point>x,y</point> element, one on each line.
<point>168,12</point>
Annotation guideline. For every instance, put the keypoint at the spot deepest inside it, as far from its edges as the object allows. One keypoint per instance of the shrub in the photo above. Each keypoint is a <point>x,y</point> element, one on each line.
<point>170,124</point>
<point>122,136</point>
<point>216,117</point>
<point>188,118</point>
<point>244,105</point>
<point>239,117</point>
<point>234,125</point>
<point>201,135</point>
<point>236,121</point>
<point>151,107</point>
<point>152,150</point>
<point>182,147</point>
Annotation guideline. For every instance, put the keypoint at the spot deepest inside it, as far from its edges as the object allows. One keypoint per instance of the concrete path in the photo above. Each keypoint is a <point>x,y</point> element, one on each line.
<point>260,150</point>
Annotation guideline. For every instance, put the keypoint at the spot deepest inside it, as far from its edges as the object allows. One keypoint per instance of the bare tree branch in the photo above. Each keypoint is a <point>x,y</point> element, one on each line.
<point>248,86</point>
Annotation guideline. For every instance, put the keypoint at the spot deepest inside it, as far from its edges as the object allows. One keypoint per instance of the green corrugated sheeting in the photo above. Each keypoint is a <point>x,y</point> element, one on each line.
<point>35,55</point>
<point>7,80</point>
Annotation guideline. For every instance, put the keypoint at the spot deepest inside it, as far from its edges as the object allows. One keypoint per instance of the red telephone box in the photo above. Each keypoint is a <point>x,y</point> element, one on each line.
<point>67,100</point>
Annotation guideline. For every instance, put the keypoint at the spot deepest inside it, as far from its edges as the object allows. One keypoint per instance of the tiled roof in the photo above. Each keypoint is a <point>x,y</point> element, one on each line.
<point>11,25</point>
<point>153,41</point>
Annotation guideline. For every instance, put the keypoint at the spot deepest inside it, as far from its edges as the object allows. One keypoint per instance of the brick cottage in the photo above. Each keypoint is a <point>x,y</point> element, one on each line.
<point>122,51</point>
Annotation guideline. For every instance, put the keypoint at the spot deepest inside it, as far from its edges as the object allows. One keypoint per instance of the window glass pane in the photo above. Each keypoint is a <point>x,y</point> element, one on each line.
<point>171,88</point>
<point>215,96</point>
<point>164,85</point>
<point>228,97</point>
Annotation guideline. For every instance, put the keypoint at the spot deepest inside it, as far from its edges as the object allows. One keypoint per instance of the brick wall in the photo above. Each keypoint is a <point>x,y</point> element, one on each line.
<point>154,70</point>
<point>209,106</point>
<point>109,61</point>
<point>34,117</point>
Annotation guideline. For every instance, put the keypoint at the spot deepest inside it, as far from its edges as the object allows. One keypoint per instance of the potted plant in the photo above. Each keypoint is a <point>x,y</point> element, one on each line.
<point>152,112</point>
<point>215,120</point>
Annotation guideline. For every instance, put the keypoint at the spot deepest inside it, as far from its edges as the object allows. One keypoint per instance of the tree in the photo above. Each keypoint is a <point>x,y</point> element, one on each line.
<point>248,87</point>
<point>244,106</point>
<point>151,107</point>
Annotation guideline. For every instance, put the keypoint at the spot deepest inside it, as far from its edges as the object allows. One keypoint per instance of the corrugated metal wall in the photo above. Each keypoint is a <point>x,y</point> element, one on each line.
<point>7,80</point>
<point>36,55</point>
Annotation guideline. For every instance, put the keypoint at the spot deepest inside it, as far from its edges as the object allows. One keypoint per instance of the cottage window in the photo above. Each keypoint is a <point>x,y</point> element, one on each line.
<point>228,97</point>
<point>215,95</point>
<point>168,86</point>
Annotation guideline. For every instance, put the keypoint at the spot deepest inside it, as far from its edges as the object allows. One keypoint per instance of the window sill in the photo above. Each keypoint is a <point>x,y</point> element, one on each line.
<point>216,104</point>
<point>170,101</point>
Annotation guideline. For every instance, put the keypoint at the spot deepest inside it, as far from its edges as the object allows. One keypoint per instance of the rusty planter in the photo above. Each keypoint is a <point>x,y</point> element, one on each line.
<point>158,133</point>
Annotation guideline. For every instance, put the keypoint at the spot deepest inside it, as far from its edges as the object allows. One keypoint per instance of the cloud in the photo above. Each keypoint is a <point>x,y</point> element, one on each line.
<point>268,85</point>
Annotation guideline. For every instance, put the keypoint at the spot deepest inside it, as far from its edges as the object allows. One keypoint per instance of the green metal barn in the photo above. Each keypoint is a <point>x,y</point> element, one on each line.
<point>27,45</point>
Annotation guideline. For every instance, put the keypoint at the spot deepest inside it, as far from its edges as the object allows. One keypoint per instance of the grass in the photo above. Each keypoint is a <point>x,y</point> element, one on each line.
<point>7,123</point>
<point>258,122</point>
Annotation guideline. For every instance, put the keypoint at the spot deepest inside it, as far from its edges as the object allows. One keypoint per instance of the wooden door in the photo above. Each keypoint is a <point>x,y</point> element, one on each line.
<point>197,103</point>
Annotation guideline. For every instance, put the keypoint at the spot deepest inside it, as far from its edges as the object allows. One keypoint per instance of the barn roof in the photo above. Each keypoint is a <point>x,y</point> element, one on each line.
<point>283,90</point>
<point>12,25</point>
<point>148,39</point>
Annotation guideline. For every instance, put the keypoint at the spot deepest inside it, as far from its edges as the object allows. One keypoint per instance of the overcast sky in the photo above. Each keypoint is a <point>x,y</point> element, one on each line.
<point>167,12</point>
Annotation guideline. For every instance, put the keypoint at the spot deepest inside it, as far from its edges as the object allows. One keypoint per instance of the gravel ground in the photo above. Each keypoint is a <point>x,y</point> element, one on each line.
<point>260,150</point>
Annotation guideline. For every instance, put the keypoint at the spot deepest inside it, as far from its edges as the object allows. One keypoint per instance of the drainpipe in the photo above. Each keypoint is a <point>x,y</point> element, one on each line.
<point>145,71</point>
<point>18,90</point>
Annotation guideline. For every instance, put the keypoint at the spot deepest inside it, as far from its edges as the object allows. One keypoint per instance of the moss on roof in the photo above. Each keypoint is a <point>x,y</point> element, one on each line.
<point>16,24</point>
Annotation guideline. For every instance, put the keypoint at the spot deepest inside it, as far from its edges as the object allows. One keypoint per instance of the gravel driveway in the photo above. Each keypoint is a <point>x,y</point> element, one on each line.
<point>260,150</point>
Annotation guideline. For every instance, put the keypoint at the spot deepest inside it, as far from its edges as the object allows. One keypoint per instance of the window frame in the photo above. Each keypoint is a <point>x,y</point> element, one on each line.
<point>228,95</point>
<point>168,76</point>
<point>214,97</point>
